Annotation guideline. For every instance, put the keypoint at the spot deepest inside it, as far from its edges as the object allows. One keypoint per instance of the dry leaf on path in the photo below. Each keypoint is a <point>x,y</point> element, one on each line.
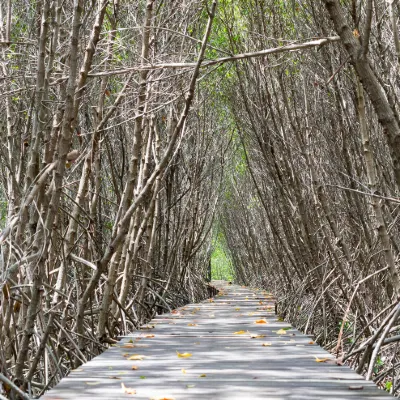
<point>128,346</point>
<point>261,321</point>
<point>127,390</point>
<point>184,355</point>
<point>203,375</point>
<point>266,344</point>
<point>356,387</point>
<point>239,332</point>
<point>256,336</point>
<point>134,367</point>
<point>281,332</point>
<point>321,360</point>
<point>137,357</point>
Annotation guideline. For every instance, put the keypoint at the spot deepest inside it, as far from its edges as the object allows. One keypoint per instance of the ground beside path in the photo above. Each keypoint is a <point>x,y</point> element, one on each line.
<point>230,347</point>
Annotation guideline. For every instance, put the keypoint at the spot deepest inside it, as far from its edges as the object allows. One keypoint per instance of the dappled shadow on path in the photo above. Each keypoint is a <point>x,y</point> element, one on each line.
<point>223,360</point>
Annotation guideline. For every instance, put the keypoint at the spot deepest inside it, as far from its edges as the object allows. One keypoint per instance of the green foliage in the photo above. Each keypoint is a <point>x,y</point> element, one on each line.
<point>3,213</point>
<point>379,363</point>
<point>221,264</point>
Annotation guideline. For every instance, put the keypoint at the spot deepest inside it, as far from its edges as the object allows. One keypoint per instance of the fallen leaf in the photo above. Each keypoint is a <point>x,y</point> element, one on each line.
<point>134,367</point>
<point>266,344</point>
<point>128,346</point>
<point>256,336</point>
<point>127,390</point>
<point>321,360</point>
<point>136,357</point>
<point>281,332</point>
<point>92,383</point>
<point>239,332</point>
<point>261,321</point>
<point>203,375</point>
<point>183,371</point>
<point>191,324</point>
<point>114,377</point>
<point>190,386</point>
<point>149,336</point>
<point>142,377</point>
<point>184,355</point>
<point>311,342</point>
<point>237,309</point>
<point>356,387</point>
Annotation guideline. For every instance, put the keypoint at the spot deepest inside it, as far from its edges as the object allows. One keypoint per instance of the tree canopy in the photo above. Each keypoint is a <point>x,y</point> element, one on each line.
<point>149,146</point>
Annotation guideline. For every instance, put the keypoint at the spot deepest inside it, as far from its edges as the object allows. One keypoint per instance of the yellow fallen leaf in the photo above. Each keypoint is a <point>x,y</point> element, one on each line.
<point>191,324</point>
<point>261,321</point>
<point>237,309</point>
<point>239,332</point>
<point>162,398</point>
<point>149,336</point>
<point>311,342</point>
<point>281,332</point>
<point>128,346</point>
<point>203,375</point>
<point>183,371</point>
<point>321,360</point>
<point>127,390</point>
<point>184,355</point>
<point>266,344</point>
<point>136,357</point>
<point>134,367</point>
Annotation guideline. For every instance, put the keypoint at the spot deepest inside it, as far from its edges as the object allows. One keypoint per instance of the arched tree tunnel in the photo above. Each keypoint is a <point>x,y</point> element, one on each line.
<point>150,146</point>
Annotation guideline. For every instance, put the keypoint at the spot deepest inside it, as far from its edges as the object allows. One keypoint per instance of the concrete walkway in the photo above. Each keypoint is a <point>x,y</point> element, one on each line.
<point>230,347</point>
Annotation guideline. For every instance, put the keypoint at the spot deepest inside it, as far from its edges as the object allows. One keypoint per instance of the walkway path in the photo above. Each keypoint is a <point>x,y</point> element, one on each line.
<point>232,347</point>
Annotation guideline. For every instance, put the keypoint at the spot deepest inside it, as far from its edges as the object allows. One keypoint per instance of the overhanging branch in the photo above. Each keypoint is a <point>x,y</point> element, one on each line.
<point>261,53</point>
